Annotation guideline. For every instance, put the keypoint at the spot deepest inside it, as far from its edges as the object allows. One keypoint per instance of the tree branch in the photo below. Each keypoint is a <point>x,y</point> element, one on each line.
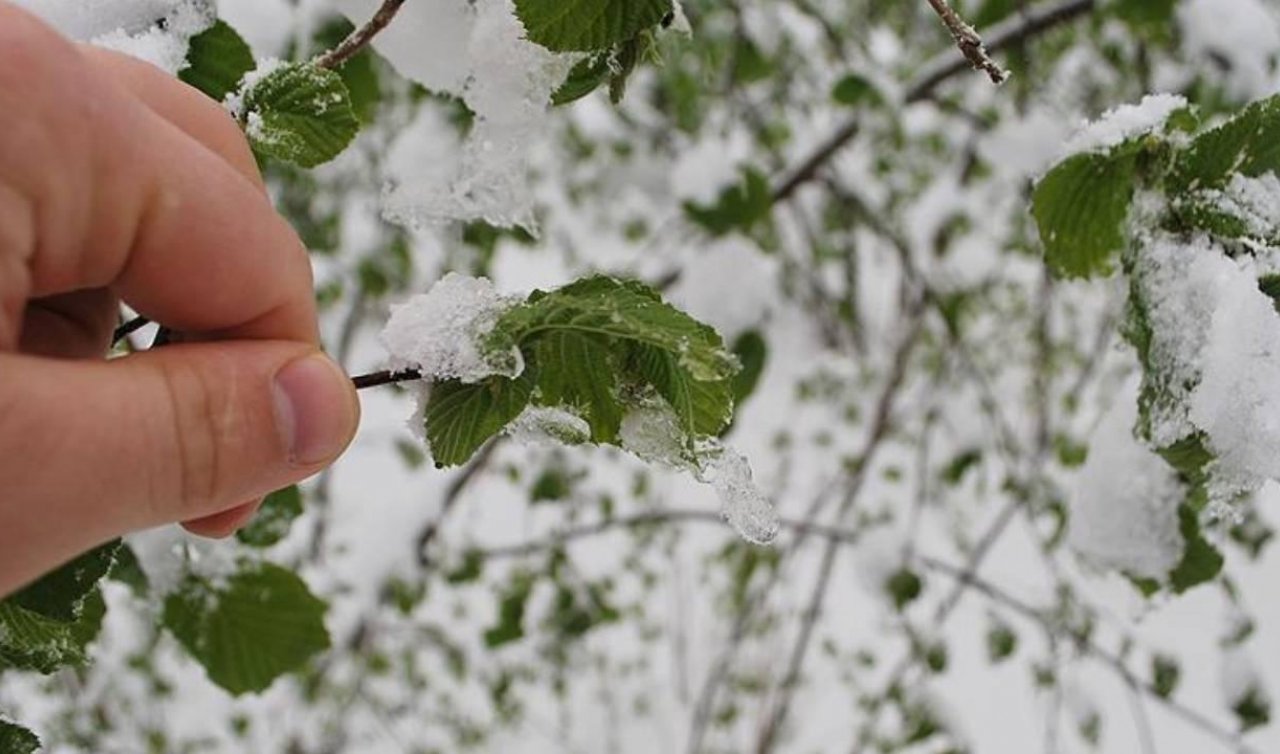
<point>969,42</point>
<point>1019,28</point>
<point>361,37</point>
<point>385,377</point>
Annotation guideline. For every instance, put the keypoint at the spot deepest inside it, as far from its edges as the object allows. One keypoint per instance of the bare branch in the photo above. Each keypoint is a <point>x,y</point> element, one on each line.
<point>969,42</point>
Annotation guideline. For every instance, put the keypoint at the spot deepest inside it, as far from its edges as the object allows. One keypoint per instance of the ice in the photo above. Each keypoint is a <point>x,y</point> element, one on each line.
<point>1124,514</point>
<point>1125,122</point>
<point>441,332</point>
<point>651,431</point>
<point>476,51</point>
<point>742,503</point>
<point>156,31</point>
<point>543,425</point>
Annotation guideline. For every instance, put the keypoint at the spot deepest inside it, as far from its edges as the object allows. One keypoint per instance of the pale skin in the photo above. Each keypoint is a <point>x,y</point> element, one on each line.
<point>120,183</point>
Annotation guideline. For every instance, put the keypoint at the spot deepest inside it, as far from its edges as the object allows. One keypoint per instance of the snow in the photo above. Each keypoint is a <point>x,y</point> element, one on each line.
<point>1125,122</point>
<point>1240,678</point>
<point>1124,513</point>
<point>475,51</point>
<point>544,425</point>
<point>742,503</point>
<point>1243,34</point>
<point>156,31</point>
<point>441,332</point>
<point>1255,201</point>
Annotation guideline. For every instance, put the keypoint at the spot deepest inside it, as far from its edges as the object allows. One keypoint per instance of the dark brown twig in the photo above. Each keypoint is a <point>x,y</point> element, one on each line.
<point>361,37</point>
<point>128,328</point>
<point>969,42</point>
<point>385,377</point>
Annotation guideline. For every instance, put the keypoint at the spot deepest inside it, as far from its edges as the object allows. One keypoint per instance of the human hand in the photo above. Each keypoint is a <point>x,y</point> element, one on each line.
<point>118,182</point>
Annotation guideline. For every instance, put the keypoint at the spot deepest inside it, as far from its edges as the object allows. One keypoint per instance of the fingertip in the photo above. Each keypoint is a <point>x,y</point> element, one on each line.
<point>224,524</point>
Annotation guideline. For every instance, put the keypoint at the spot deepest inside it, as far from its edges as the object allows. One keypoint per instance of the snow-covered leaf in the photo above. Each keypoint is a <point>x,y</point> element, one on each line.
<point>1248,145</point>
<point>15,739</point>
<point>299,113</point>
<point>31,641</point>
<point>60,594</point>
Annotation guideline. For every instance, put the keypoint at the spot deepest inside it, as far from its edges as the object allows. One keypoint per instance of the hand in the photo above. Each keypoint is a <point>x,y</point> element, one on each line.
<point>118,182</point>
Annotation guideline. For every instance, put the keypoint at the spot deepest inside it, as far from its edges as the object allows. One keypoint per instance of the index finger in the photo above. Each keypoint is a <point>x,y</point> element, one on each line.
<point>121,198</point>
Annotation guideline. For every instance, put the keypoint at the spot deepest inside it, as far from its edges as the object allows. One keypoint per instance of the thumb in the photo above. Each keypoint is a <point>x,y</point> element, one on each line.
<point>91,450</point>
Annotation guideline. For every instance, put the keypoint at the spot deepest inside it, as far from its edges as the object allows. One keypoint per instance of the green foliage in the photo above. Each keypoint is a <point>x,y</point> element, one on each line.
<point>1165,675</point>
<point>1201,561</point>
<point>217,61</point>
<point>1248,144</point>
<point>460,418</point>
<point>31,641</point>
<point>740,206</point>
<point>15,739</point>
<point>1002,642</point>
<point>855,90</point>
<point>511,606</point>
<point>903,587</point>
<point>588,25</point>
<point>1253,710</point>
<point>299,113</point>
<point>1081,207</point>
<point>60,594</point>
<point>590,348</point>
<point>752,351</point>
<point>274,518</point>
<point>261,623</point>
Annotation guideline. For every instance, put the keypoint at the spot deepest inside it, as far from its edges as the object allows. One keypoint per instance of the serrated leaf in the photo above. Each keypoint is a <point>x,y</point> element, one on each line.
<point>624,311</point>
<point>274,519</point>
<point>460,418</point>
<point>1081,207</point>
<point>1201,561</point>
<point>705,408</point>
<point>577,370</point>
<point>262,623</point>
<point>15,739</point>
<point>588,25</point>
<point>61,593</point>
<point>1248,144</point>
<point>299,113</point>
<point>30,641</point>
<point>217,60</point>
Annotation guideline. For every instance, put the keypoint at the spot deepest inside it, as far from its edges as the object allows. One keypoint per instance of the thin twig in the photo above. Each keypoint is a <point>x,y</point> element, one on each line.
<point>385,377</point>
<point>361,37</point>
<point>128,328</point>
<point>1019,28</point>
<point>478,463</point>
<point>969,42</point>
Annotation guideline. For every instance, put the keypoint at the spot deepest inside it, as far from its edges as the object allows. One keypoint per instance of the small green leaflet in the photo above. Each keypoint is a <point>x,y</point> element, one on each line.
<point>299,113</point>
<point>262,623</point>
<point>273,520</point>
<point>1248,144</point>
<point>460,418</point>
<point>591,348</point>
<point>1081,207</point>
<point>60,594</point>
<point>217,60</point>
<point>588,25</point>
<point>511,605</point>
<point>31,641</point>
<point>740,206</point>
<point>14,739</point>
<point>1201,561</point>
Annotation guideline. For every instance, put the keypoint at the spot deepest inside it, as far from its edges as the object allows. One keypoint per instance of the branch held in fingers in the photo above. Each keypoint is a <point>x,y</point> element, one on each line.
<point>969,42</point>
<point>361,37</point>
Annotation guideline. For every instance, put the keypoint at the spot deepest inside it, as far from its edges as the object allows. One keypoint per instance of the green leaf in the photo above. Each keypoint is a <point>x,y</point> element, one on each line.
<point>1201,561</point>
<point>14,739</point>
<point>359,73</point>
<point>1165,674</point>
<point>262,623</point>
<point>217,59</point>
<point>705,408</point>
<point>1081,207</point>
<point>274,518</point>
<point>588,25</point>
<point>588,75</point>
<point>623,311</point>
<point>904,587</point>
<point>60,594</point>
<point>740,206</point>
<point>1002,642</point>
<point>577,371</point>
<point>1248,144</point>
<point>1253,710</point>
<point>753,353</point>
<point>31,641</point>
<point>128,571</point>
<point>854,90</point>
<point>460,418</point>
<point>511,605</point>
<point>299,113</point>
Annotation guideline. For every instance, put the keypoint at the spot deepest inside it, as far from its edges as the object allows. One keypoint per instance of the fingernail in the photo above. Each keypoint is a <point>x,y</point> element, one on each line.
<point>313,406</point>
